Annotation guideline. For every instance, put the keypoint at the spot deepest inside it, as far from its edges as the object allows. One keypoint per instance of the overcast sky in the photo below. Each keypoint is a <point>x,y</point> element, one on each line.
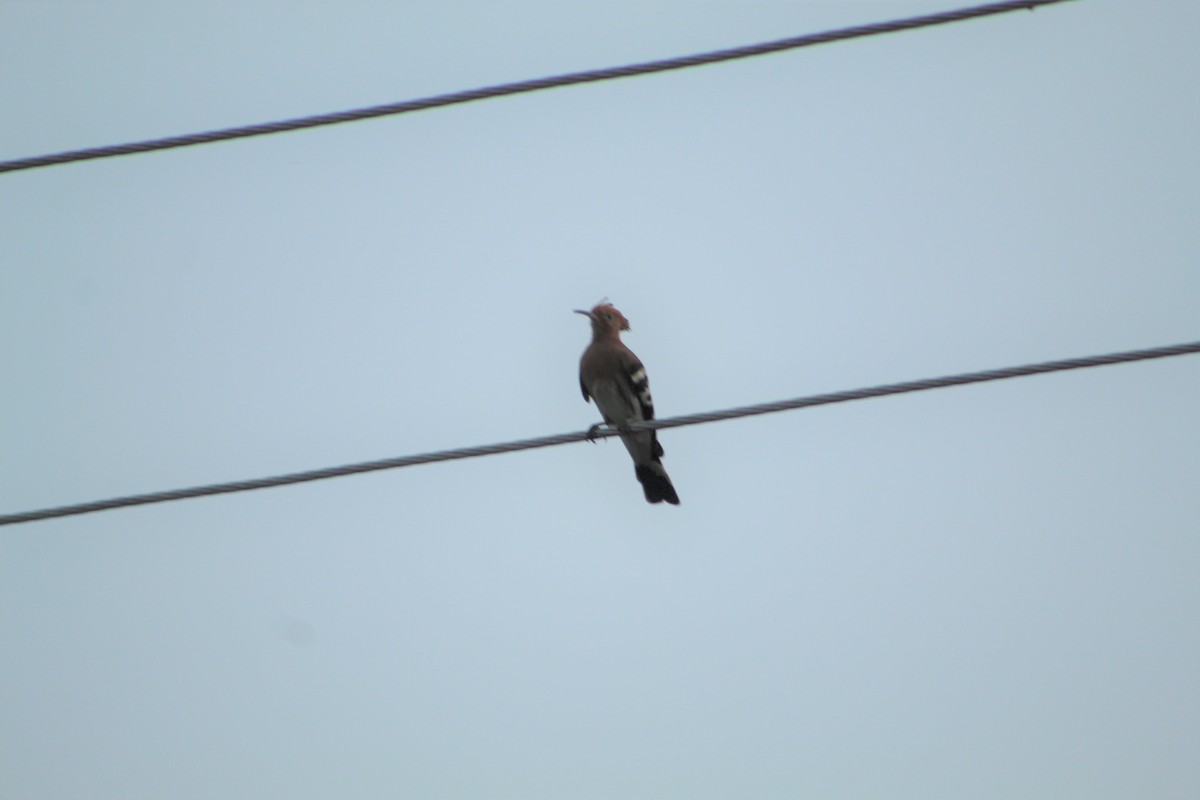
<point>980,592</point>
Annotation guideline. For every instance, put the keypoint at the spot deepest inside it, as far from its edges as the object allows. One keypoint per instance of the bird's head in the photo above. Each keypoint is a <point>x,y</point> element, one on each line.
<point>606,319</point>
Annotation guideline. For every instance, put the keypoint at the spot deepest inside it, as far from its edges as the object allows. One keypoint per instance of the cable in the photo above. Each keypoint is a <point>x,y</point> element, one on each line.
<point>564,438</point>
<point>520,87</point>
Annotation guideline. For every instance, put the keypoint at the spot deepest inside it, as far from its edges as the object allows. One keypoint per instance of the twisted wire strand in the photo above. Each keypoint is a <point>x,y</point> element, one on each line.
<point>565,438</point>
<point>537,84</point>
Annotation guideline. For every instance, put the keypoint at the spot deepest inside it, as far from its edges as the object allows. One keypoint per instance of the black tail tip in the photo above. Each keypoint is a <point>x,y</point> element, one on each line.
<point>656,485</point>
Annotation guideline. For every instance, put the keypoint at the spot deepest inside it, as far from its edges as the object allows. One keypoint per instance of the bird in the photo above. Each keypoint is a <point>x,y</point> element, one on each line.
<point>614,377</point>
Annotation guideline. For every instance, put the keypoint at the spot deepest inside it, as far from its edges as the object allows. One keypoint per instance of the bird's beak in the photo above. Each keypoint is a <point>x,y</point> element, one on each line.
<point>587,314</point>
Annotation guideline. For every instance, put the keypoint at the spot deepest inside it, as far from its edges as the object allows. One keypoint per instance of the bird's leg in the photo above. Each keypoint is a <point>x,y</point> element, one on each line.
<point>594,431</point>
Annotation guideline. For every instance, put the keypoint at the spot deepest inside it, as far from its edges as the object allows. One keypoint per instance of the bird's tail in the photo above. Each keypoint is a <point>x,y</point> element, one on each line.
<point>655,483</point>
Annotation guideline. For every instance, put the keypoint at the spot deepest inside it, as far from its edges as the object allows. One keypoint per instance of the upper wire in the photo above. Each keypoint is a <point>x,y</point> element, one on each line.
<point>537,84</point>
<point>565,438</point>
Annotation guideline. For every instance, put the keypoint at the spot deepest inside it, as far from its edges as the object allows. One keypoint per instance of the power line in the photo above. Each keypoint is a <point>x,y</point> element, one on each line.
<point>564,438</point>
<point>537,84</point>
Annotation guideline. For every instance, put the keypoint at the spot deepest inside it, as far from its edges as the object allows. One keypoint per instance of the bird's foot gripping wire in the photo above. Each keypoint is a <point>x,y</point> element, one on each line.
<point>594,431</point>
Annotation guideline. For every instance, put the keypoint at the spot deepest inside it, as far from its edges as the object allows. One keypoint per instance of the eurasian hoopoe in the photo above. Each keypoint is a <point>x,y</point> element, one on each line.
<point>612,375</point>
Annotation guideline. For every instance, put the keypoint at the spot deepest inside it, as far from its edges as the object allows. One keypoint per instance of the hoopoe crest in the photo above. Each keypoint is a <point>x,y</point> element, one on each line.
<point>614,377</point>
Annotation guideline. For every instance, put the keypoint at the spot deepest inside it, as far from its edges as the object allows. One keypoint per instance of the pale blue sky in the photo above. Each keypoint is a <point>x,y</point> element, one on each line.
<point>984,592</point>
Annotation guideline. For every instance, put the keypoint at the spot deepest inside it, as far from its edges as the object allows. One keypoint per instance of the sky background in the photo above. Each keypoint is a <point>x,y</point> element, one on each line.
<point>980,592</point>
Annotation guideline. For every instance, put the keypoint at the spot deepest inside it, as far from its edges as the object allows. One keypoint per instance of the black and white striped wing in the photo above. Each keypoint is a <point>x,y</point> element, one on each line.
<point>639,390</point>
